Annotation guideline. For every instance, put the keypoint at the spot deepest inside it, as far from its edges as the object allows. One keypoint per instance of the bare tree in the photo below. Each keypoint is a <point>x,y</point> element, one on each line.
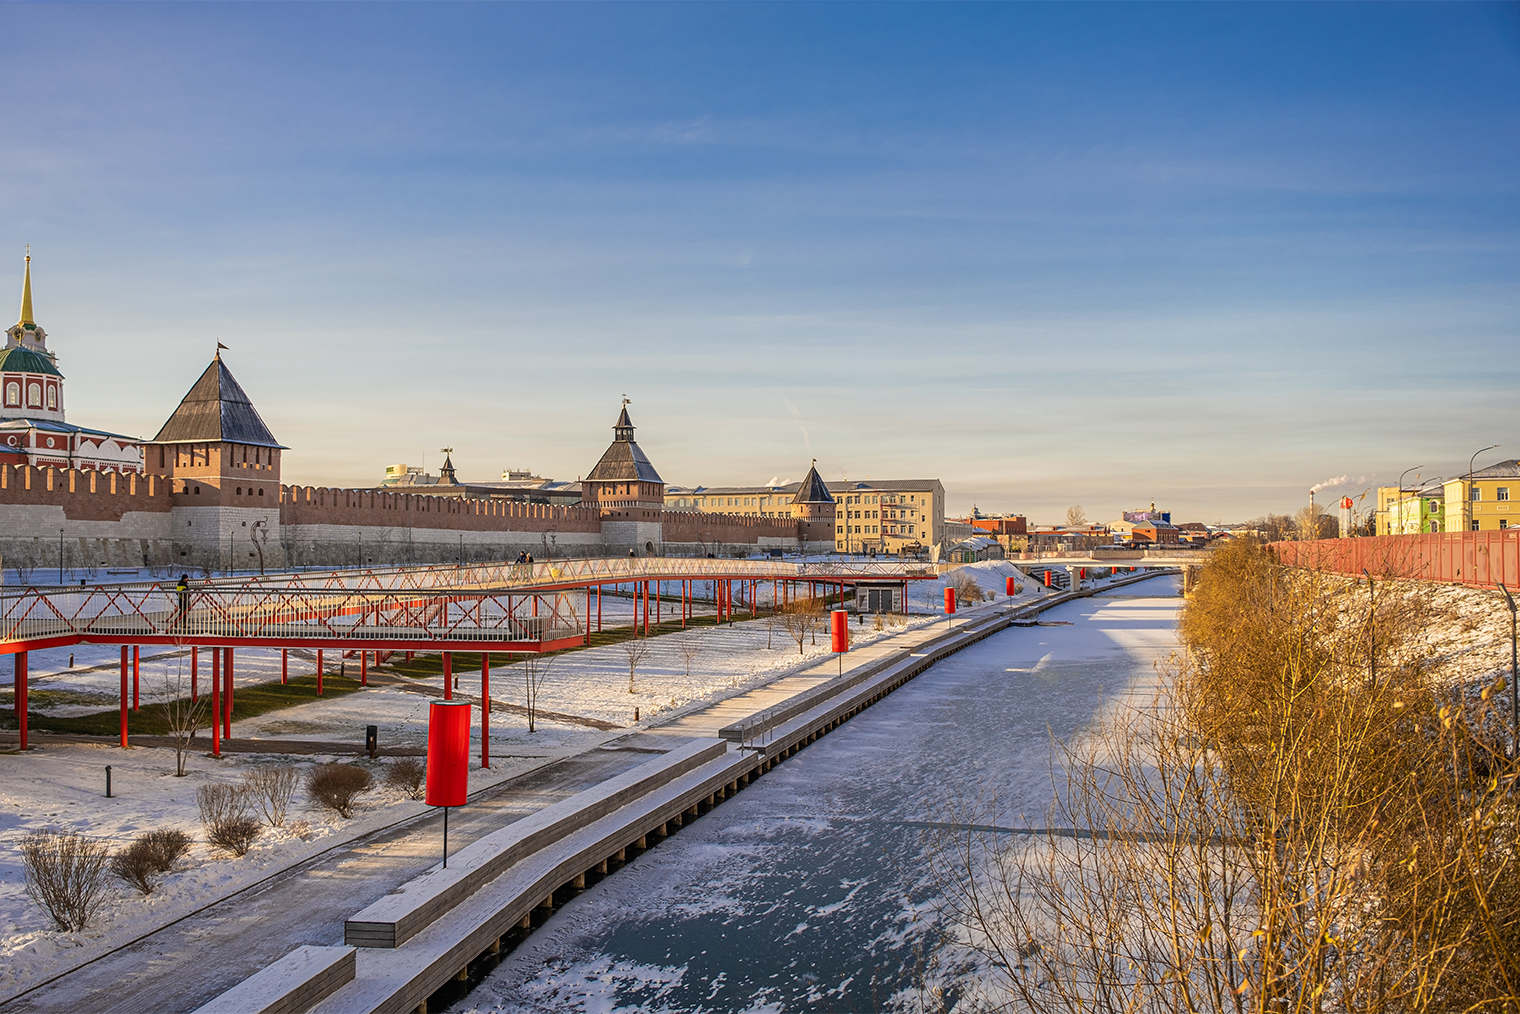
<point>182,716</point>
<point>800,619</point>
<point>691,649</point>
<point>535,668</point>
<point>637,649</point>
<point>1076,517</point>
<point>1276,830</point>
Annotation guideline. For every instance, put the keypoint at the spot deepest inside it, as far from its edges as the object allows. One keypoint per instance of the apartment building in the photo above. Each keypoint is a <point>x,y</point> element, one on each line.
<point>1487,500</point>
<point>887,516</point>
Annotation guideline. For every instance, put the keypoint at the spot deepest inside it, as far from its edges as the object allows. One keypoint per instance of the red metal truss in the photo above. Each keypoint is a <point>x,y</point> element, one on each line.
<point>494,607</point>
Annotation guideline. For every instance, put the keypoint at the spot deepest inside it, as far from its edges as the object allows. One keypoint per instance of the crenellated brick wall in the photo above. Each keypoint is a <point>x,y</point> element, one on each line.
<point>695,527</point>
<point>83,494</point>
<point>112,518</point>
<point>320,505</point>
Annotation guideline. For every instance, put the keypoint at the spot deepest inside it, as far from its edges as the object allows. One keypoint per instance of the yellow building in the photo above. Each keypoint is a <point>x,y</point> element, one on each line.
<point>1486,501</point>
<point>882,516</point>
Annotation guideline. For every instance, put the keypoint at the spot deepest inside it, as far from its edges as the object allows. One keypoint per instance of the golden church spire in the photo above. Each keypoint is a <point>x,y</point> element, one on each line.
<point>26,292</point>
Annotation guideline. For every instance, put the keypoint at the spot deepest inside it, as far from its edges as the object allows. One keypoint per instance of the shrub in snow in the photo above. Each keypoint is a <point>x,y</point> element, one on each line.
<point>224,812</point>
<point>134,866</point>
<point>270,786</point>
<point>66,875</point>
<point>336,786</point>
<point>407,774</point>
<point>966,588</point>
<point>165,846</point>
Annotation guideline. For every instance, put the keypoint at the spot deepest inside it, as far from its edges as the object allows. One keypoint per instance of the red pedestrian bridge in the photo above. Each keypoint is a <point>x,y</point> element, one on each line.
<point>502,607</point>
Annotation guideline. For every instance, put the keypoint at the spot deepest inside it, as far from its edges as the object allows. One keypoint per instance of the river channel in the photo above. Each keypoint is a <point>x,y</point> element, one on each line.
<point>808,891</point>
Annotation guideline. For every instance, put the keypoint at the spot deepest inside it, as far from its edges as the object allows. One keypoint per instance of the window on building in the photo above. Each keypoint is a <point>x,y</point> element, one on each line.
<point>1503,522</point>
<point>34,395</point>
<point>52,398</point>
<point>1477,494</point>
<point>1502,493</point>
<point>13,393</point>
<point>1474,525</point>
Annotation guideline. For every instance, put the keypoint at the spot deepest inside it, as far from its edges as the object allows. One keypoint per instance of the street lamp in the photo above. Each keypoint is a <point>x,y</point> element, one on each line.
<point>1467,493</point>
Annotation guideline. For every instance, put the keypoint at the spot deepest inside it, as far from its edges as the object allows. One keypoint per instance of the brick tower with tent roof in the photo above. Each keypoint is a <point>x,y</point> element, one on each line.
<point>223,467</point>
<point>630,495</point>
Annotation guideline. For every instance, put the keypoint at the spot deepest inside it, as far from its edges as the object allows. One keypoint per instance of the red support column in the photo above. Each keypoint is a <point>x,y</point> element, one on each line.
<point>598,609</point>
<point>195,676</point>
<point>216,702</point>
<point>448,675</point>
<point>227,704</point>
<point>136,699</point>
<point>20,690</point>
<point>364,668</point>
<point>124,669</point>
<point>659,596</point>
<point>485,709</point>
<point>284,665</point>
<point>319,672</point>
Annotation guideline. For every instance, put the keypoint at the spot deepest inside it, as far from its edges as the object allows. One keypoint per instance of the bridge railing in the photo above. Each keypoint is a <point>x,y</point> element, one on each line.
<point>557,573</point>
<point>294,614</point>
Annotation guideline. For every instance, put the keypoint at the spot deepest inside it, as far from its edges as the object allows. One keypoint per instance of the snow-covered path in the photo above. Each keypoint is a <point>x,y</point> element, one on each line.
<point>808,891</point>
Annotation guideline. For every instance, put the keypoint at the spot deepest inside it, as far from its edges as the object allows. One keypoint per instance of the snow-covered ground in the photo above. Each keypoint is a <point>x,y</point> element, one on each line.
<point>61,786</point>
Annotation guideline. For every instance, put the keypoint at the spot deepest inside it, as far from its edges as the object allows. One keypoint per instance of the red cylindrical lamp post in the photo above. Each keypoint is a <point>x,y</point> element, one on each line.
<point>839,635</point>
<point>949,603</point>
<point>1013,587</point>
<point>448,760</point>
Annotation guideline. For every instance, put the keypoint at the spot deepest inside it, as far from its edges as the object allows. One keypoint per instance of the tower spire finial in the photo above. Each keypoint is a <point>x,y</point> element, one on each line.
<point>26,291</point>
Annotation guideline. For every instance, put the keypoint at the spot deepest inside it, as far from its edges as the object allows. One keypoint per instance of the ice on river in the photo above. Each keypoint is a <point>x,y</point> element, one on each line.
<point>809,889</point>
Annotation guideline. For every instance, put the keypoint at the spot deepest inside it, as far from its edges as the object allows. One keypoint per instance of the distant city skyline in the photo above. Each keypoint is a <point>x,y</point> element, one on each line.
<point>1209,256</point>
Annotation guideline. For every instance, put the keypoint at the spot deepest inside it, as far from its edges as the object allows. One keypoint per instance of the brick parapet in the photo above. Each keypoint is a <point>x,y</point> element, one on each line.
<point>321,505</point>
<point>697,526</point>
<point>83,494</point>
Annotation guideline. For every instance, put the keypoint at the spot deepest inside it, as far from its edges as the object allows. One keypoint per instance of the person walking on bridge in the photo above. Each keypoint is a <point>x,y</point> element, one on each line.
<point>182,592</point>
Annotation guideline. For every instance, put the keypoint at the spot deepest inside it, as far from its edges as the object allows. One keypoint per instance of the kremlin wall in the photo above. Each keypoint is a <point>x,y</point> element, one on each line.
<point>204,495</point>
<point>111,519</point>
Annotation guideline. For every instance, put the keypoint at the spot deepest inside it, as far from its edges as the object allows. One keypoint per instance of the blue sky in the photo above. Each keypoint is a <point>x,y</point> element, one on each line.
<point>1206,255</point>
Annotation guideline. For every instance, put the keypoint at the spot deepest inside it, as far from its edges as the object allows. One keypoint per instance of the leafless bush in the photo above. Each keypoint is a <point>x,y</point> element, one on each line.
<point>407,774</point>
<point>218,802</point>
<point>270,787</point>
<point>337,786</point>
<point>134,866</point>
<point>966,588</point>
<point>165,846</point>
<point>66,875</point>
<point>225,815</point>
<point>236,835</point>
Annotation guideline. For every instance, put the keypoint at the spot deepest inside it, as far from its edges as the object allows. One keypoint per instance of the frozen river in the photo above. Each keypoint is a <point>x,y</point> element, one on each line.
<point>808,890</point>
